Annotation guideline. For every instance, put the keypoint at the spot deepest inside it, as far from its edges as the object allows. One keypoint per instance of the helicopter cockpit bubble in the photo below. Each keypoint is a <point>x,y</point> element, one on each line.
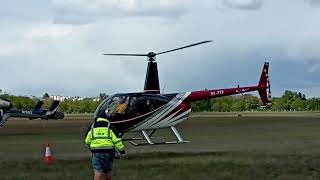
<point>113,105</point>
<point>5,104</point>
<point>126,106</point>
<point>102,106</point>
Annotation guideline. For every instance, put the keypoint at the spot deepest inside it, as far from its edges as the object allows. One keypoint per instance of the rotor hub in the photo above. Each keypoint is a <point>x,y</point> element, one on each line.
<point>151,56</point>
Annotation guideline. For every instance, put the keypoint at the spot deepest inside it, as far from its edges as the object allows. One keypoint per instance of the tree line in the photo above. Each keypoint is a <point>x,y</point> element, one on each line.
<point>289,101</point>
<point>86,105</point>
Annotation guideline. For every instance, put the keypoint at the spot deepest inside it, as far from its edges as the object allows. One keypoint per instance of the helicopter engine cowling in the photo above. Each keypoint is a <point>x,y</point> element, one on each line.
<point>5,104</point>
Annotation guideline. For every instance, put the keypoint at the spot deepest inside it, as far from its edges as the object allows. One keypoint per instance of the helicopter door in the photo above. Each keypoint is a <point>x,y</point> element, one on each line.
<point>140,105</point>
<point>137,106</point>
<point>157,102</point>
<point>153,103</point>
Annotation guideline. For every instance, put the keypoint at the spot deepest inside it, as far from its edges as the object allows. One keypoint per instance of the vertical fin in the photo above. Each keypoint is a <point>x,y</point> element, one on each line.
<point>264,84</point>
<point>38,106</point>
<point>53,108</point>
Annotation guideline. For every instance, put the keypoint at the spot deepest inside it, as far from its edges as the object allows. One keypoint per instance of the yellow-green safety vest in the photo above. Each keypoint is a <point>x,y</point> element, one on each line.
<point>100,138</point>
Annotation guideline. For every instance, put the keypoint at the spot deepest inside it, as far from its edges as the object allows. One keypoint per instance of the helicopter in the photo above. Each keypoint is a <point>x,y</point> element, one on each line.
<point>7,111</point>
<point>150,110</point>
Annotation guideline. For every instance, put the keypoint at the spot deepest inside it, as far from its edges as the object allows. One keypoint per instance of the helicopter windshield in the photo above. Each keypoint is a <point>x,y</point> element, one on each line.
<point>5,104</point>
<point>116,104</point>
<point>102,106</point>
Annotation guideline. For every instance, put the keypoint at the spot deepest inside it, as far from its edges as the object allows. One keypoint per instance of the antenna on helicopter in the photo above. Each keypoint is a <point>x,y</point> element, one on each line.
<point>152,80</point>
<point>164,87</point>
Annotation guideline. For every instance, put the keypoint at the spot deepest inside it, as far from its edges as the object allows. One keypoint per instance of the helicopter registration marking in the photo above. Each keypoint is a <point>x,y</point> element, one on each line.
<point>218,92</point>
<point>26,112</point>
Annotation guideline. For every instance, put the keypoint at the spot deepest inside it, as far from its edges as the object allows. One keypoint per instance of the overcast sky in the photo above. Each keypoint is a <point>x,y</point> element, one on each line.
<point>55,46</point>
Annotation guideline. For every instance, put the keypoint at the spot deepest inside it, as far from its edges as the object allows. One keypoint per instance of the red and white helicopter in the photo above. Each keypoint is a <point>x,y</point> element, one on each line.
<point>150,110</point>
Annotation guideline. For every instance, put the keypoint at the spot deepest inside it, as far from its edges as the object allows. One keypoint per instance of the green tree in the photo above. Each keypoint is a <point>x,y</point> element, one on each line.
<point>298,105</point>
<point>304,97</point>
<point>102,96</point>
<point>46,96</point>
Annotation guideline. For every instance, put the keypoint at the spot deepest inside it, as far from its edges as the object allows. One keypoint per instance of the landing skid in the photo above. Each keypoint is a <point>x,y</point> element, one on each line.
<point>148,138</point>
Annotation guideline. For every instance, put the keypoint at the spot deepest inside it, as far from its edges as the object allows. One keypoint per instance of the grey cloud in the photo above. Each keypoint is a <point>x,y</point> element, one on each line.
<point>82,12</point>
<point>243,4</point>
<point>315,3</point>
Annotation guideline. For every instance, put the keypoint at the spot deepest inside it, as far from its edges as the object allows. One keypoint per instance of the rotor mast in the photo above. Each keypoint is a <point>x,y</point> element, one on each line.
<point>151,83</point>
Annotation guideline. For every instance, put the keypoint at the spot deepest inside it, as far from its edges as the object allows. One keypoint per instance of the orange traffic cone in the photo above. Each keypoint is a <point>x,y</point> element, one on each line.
<point>47,156</point>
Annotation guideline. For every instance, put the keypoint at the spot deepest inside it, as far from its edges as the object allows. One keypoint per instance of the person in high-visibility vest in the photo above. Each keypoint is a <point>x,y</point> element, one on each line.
<point>104,142</point>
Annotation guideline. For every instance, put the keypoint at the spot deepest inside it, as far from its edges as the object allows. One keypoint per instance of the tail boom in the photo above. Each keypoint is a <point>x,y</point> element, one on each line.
<point>214,93</point>
<point>261,88</point>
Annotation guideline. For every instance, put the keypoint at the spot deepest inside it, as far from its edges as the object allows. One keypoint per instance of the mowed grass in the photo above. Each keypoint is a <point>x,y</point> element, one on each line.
<point>224,146</point>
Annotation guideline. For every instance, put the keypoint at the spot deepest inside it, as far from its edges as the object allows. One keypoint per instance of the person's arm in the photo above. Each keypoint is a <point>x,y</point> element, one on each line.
<point>88,136</point>
<point>115,131</point>
<point>117,143</point>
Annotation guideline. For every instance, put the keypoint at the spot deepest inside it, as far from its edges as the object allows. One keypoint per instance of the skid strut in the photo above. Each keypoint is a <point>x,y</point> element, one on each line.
<point>176,132</point>
<point>148,138</point>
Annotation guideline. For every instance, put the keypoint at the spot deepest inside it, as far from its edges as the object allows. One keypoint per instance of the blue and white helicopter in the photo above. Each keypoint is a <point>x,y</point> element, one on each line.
<point>7,111</point>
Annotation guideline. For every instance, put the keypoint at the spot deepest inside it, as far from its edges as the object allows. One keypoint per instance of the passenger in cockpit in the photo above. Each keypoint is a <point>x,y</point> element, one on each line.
<point>132,108</point>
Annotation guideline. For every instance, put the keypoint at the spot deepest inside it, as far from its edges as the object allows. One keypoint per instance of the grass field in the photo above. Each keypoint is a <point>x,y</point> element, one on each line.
<point>224,146</point>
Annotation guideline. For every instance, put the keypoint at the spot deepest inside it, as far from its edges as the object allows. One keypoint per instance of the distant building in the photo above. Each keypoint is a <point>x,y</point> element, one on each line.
<point>74,98</point>
<point>96,99</point>
<point>58,98</point>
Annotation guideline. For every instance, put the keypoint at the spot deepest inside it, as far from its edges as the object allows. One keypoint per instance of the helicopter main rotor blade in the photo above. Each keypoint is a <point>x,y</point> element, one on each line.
<point>126,54</point>
<point>195,44</point>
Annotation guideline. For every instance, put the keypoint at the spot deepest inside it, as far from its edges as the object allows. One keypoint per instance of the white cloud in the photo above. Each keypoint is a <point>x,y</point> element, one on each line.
<point>305,42</point>
<point>49,31</point>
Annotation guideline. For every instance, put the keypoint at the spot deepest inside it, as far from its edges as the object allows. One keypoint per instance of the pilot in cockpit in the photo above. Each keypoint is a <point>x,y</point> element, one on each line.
<point>122,104</point>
